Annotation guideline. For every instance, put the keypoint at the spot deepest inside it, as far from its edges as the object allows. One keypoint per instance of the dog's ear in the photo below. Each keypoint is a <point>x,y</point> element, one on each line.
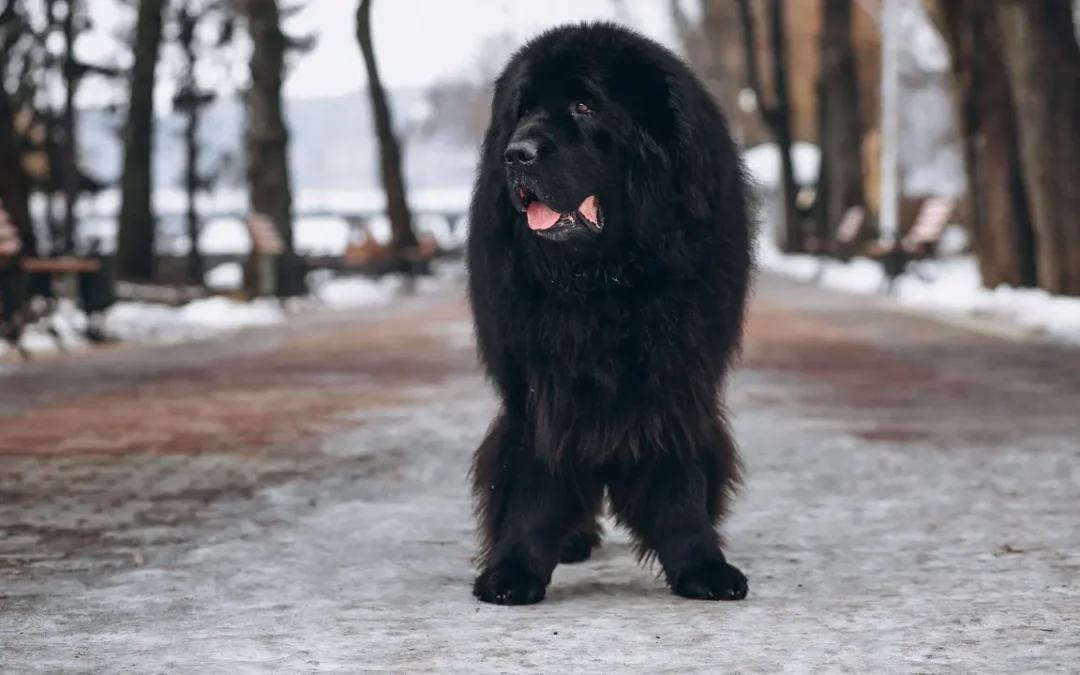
<point>694,167</point>
<point>496,134</point>
<point>490,208</point>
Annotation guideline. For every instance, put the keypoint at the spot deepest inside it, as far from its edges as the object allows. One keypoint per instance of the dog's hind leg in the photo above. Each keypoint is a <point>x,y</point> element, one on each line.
<point>526,508</point>
<point>672,503</point>
<point>584,538</point>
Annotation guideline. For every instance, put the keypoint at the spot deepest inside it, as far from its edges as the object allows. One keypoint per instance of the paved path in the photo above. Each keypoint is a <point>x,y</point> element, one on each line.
<point>294,502</point>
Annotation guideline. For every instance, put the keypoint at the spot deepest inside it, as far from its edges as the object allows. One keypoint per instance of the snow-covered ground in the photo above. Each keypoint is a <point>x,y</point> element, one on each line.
<point>952,287</point>
<point>144,322</point>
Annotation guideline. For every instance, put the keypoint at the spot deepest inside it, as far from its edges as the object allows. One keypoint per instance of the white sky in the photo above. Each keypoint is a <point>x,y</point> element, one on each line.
<point>416,41</point>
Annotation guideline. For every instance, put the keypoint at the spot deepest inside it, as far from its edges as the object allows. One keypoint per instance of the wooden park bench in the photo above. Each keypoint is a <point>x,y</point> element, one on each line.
<point>267,247</point>
<point>919,244</point>
<point>847,232</point>
<point>23,278</point>
<point>173,295</point>
<point>897,258</point>
<point>842,244</point>
<point>375,258</point>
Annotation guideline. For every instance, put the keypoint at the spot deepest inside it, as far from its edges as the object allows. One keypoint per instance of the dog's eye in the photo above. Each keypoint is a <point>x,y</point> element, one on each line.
<point>583,109</point>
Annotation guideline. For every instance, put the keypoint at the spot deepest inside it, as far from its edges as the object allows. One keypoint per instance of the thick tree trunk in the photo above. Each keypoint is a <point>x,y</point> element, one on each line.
<point>777,115</point>
<point>1042,64</point>
<point>715,51</point>
<point>397,206</point>
<point>268,138</point>
<point>781,125</point>
<point>135,239</point>
<point>997,213</point>
<point>840,121</point>
<point>14,192</point>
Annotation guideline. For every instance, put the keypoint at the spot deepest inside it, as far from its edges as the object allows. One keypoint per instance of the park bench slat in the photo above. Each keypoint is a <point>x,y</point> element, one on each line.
<point>67,265</point>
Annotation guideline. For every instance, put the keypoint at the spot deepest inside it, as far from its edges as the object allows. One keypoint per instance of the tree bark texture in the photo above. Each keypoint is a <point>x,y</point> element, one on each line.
<point>195,270</point>
<point>840,122</point>
<point>1042,64</point>
<point>404,238</point>
<point>715,51</point>
<point>69,147</point>
<point>776,114</point>
<point>135,237</point>
<point>268,175</point>
<point>997,215</point>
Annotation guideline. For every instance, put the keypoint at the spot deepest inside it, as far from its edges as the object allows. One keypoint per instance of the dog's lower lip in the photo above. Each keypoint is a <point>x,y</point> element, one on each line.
<point>598,225</point>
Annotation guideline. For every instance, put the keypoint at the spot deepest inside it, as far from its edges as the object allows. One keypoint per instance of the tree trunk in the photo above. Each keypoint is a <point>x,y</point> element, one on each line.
<point>191,188</point>
<point>397,206</point>
<point>135,238</point>
<point>997,215</point>
<point>14,192</point>
<point>69,169</point>
<point>840,122</point>
<point>719,58</point>
<point>777,115</point>
<point>268,138</point>
<point>782,125</point>
<point>1042,66</point>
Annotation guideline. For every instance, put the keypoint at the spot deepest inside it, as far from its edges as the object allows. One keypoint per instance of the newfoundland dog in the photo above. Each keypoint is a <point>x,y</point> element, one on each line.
<point>609,263</point>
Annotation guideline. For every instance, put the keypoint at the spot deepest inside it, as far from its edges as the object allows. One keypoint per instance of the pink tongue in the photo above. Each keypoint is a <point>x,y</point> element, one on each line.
<point>541,217</point>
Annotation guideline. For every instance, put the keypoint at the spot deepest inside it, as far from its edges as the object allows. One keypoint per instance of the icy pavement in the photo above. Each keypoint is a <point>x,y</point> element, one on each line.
<point>911,507</point>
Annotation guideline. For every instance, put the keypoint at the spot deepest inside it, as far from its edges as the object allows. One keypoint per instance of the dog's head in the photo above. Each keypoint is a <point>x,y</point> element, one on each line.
<point>589,127</point>
<point>555,168</point>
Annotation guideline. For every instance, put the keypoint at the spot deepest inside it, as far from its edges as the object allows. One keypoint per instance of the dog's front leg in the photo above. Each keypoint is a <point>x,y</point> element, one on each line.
<point>527,506</point>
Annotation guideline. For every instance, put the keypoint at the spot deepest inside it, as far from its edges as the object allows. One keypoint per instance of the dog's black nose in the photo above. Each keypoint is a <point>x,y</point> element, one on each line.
<point>521,152</point>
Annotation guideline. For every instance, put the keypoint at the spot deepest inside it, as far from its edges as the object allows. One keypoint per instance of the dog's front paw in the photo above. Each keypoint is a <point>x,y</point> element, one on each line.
<point>712,580</point>
<point>510,582</point>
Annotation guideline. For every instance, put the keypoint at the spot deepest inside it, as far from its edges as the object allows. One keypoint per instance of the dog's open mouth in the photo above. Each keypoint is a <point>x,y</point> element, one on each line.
<point>543,218</point>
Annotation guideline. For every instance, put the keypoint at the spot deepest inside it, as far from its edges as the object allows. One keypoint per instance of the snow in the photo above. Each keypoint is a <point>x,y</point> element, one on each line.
<point>226,277</point>
<point>353,292</point>
<point>146,322</point>
<point>763,163</point>
<point>439,228</point>
<point>225,236</point>
<point>321,235</point>
<point>953,288</point>
<point>200,319</point>
<point>378,228</point>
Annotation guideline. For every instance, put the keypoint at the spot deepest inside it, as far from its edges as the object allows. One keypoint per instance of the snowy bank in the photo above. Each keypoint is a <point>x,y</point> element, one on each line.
<point>952,287</point>
<point>145,322</point>
<point>200,319</point>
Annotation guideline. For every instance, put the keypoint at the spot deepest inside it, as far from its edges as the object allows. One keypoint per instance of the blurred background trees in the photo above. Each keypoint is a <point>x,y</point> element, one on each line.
<point>990,86</point>
<point>1008,68</point>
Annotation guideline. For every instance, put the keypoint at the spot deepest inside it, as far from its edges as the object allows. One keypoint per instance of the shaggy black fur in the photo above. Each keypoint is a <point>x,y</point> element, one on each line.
<point>609,349</point>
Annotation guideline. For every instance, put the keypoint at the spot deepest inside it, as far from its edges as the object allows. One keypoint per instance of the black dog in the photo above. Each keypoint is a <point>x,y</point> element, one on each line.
<point>610,256</point>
